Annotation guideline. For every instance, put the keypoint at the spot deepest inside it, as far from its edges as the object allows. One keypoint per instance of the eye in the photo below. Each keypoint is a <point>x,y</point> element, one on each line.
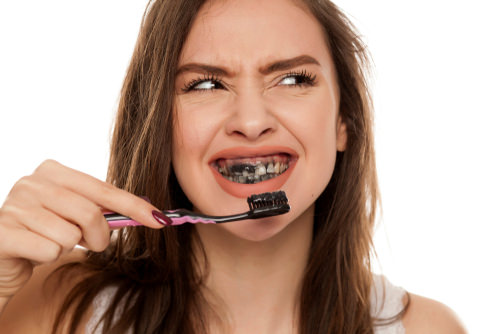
<point>298,79</point>
<point>207,83</point>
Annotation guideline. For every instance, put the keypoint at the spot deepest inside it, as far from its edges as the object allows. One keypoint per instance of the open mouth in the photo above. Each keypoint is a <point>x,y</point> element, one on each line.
<point>251,170</point>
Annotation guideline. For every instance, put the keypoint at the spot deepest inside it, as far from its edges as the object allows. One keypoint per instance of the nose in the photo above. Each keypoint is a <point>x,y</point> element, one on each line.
<point>251,118</point>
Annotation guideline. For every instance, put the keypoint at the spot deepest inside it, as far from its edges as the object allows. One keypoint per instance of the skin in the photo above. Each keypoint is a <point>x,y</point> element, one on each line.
<point>255,110</point>
<point>256,266</point>
<point>44,217</point>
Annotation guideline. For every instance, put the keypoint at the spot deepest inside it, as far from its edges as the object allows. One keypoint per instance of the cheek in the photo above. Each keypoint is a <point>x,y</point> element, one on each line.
<point>313,124</point>
<point>193,134</point>
<point>325,140</point>
<point>325,134</point>
<point>195,127</point>
<point>189,133</point>
<point>188,137</point>
<point>316,131</point>
<point>321,151</point>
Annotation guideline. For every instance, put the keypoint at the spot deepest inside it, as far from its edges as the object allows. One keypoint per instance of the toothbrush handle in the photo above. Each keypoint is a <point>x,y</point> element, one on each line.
<point>116,221</point>
<point>178,217</point>
<point>117,224</point>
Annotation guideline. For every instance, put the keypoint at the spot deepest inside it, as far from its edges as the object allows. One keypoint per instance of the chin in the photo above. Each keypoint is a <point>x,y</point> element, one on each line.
<point>258,230</point>
<point>267,229</point>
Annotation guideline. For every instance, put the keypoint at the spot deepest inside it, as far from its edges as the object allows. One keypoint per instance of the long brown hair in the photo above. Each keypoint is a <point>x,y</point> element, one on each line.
<point>154,271</point>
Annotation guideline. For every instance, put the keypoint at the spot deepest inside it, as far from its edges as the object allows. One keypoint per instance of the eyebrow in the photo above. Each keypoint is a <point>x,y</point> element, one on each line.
<point>279,65</point>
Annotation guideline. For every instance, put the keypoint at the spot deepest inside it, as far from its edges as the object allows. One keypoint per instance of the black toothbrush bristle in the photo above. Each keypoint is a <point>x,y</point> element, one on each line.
<point>267,200</point>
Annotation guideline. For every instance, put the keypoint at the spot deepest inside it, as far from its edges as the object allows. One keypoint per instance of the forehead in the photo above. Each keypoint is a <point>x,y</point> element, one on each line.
<point>241,33</point>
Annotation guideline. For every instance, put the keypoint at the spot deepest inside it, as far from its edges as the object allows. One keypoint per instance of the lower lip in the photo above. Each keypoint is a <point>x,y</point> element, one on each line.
<point>245,190</point>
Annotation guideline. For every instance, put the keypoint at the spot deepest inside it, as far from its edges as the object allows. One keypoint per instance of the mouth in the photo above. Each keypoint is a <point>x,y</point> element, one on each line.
<point>251,170</point>
<point>242,171</point>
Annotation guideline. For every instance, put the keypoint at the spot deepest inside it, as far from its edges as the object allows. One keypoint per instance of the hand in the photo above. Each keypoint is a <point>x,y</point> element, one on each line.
<point>49,212</point>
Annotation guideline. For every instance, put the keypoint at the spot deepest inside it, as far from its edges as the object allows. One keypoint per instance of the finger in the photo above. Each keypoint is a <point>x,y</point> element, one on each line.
<point>80,211</point>
<point>23,191</point>
<point>101,193</point>
<point>39,192</point>
<point>48,225</point>
<point>21,243</point>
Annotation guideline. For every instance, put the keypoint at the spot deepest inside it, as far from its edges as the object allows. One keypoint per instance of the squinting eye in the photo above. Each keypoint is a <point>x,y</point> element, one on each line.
<point>203,84</point>
<point>207,85</point>
<point>298,79</point>
<point>289,81</point>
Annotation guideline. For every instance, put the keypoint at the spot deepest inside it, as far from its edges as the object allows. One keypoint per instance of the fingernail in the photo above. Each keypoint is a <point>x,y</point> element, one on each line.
<point>146,198</point>
<point>161,218</point>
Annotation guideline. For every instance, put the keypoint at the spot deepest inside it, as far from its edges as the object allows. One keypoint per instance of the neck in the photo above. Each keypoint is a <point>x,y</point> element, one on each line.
<point>255,285</point>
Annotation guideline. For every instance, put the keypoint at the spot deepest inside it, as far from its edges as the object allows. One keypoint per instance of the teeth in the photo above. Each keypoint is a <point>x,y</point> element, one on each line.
<point>253,170</point>
<point>223,170</point>
<point>258,174</point>
<point>270,168</point>
<point>260,170</point>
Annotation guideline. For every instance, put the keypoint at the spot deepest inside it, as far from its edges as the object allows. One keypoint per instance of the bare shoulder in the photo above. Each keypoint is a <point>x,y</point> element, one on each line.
<point>33,308</point>
<point>425,315</point>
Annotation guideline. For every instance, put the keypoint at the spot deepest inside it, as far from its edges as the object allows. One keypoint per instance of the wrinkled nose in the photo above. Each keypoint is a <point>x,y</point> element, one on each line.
<point>250,119</point>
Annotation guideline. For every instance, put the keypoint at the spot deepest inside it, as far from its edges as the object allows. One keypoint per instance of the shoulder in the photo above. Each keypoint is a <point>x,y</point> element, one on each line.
<point>34,307</point>
<point>425,315</point>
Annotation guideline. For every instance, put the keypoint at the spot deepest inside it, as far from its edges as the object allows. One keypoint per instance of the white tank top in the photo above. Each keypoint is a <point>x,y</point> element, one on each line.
<point>386,301</point>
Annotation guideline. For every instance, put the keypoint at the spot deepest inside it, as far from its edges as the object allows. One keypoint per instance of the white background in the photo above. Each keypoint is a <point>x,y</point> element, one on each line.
<point>436,94</point>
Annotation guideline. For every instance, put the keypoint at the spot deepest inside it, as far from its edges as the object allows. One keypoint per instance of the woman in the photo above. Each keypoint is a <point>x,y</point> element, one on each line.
<point>215,84</point>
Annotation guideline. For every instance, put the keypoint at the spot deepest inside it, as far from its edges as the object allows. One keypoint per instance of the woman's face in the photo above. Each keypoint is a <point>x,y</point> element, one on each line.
<point>256,111</point>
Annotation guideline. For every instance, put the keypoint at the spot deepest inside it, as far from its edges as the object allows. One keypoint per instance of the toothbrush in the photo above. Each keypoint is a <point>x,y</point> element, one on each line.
<point>261,205</point>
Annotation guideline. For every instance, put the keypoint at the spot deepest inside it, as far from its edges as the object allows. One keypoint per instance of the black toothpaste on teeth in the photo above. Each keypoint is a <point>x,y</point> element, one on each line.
<point>248,169</point>
<point>251,174</point>
<point>243,167</point>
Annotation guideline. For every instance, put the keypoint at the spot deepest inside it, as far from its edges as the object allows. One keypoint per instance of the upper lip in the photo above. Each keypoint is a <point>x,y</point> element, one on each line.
<point>249,152</point>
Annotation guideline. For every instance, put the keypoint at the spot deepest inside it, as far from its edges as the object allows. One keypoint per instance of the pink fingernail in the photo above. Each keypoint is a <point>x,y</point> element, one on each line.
<point>161,218</point>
